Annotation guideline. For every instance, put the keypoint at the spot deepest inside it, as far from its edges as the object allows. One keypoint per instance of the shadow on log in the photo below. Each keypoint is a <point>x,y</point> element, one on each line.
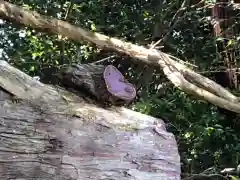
<point>49,133</point>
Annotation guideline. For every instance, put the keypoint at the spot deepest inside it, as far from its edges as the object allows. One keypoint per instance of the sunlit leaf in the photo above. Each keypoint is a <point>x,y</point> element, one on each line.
<point>234,177</point>
<point>32,68</point>
<point>93,27</point>
<point>230,42</point>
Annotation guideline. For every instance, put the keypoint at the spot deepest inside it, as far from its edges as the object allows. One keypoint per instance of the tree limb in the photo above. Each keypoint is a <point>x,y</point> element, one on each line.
<point>174,71</point>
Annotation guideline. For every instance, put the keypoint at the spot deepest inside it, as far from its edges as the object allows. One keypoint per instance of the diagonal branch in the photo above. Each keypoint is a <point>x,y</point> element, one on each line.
<point>179,74</point>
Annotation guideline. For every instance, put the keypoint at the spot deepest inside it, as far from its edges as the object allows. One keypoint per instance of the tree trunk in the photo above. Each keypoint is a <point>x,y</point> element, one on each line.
<point>49,133</point>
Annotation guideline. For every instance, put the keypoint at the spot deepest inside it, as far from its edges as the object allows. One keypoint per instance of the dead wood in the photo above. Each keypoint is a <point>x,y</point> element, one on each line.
<point>87,78</point>
<point>178,73</point>
<point>49,133</point>
<point>103,83</point>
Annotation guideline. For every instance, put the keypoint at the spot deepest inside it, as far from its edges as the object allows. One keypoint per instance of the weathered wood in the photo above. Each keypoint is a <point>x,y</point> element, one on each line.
<point>87,78</point>
<point>50,133</point>
<point>103,83</point>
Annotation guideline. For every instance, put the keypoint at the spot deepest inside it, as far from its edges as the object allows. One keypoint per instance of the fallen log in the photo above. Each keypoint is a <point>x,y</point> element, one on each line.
<point>50,133</point>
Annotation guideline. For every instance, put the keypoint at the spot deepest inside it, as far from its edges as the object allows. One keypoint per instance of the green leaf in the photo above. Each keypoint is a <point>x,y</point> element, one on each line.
<point>32,68</point>
<point>234,177</point>
<point>93,27</point>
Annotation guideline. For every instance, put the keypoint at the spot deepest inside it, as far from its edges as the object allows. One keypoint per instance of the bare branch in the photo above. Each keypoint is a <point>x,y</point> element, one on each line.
<point>179,74</point>
<point>104,59</point>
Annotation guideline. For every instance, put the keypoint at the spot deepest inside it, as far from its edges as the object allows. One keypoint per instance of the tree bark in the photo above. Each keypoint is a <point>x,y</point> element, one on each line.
<point>178,73</point>
<point>87,78</point>
<point>104,83</point>
<point>50,133</point>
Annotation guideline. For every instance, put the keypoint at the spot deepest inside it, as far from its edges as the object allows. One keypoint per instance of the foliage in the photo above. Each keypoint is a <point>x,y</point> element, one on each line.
<point>207,136</point>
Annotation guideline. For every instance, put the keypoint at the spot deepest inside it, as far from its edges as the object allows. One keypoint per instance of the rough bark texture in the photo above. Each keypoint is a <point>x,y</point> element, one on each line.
<point>90,78</point>
<point>87,78</point>
<point>48,133</point>
<point>175,70</point>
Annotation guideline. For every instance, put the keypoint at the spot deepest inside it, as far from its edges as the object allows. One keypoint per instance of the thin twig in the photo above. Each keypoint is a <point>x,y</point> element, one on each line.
<point>183,62</point>
<point>227,70</point>
<point>204,176</point>
<point>104,59</point>
<point>175,20</point>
